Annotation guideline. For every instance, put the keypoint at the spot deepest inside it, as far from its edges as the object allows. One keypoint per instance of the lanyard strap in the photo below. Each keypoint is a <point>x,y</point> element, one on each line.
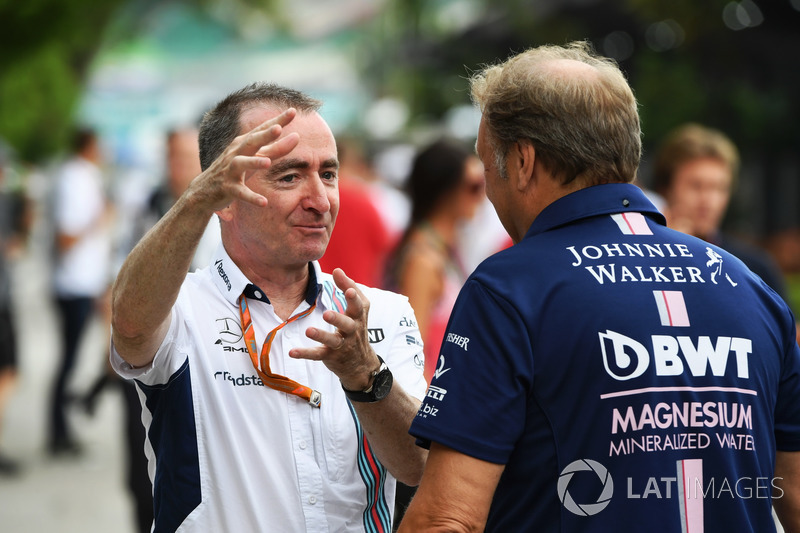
<point>274,381</point>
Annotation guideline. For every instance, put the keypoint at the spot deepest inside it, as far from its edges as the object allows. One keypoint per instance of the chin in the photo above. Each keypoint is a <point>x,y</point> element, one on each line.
<point>312,253</point>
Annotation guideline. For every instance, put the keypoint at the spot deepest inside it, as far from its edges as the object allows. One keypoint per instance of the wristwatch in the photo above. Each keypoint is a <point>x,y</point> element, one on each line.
<point>381,385</point>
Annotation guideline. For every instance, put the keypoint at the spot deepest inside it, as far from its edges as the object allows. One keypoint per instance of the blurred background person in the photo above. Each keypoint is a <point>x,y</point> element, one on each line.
<point>445,186</point>
<point>182,166</point>
<point>14,227</point>
<point>82,220</point>
<point>695,172</point>
<point>362,240</point>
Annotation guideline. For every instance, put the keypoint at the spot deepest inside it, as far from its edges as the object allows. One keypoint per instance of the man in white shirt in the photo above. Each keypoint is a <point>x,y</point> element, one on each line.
<point>81,274</point>
<point>234,442</point>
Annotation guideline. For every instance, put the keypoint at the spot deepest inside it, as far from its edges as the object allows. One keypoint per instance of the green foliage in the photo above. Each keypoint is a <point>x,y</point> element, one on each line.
<point>47,48</point>
<point>669,93</point>
<point>37,97</point>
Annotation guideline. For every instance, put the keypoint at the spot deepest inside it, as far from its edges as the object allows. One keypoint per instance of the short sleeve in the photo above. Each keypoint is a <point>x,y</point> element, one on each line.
<point>395,336</point>
<point>476,403</point>
<point>168,359</point>
<point>787,408</point>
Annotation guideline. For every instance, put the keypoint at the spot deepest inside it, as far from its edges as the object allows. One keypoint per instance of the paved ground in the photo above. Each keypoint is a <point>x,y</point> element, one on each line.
<point>66,496</point>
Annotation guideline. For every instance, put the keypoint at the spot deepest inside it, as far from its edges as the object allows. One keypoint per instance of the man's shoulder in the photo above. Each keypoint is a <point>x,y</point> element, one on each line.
<point>373,294</point>
<point>517,260</point>
<point>197,284</point>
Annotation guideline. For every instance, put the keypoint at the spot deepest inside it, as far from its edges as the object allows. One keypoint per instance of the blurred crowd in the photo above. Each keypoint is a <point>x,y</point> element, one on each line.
<point>420,235</point>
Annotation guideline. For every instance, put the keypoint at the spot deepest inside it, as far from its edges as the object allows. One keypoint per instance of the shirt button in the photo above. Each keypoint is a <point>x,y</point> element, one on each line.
<point>302,445</point>
<point>257,294</point>
<point>312,500</point>
<point>626,202</point>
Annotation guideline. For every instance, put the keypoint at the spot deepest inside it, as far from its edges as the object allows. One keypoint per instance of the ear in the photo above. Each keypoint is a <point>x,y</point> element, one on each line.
<point>524,157</point>
<point>226,213</point>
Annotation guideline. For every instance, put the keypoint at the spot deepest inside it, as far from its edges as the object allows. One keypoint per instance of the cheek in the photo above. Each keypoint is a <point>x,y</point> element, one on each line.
<point>333,200</point>
<point>720,201</point>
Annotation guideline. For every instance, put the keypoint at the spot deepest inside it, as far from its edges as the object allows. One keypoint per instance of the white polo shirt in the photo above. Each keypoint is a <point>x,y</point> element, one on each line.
<point>227,453</point>
<point>78,206</point>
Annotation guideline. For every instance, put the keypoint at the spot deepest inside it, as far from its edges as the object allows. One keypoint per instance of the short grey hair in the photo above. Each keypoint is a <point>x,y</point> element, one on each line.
<point>220,126</point>
<point>583,127</point>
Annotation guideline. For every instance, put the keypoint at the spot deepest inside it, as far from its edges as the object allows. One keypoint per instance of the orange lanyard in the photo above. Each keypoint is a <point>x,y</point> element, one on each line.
<point>274,381</point>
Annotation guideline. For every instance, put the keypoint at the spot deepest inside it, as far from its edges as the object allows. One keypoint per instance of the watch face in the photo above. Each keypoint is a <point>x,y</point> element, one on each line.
<point>382,384</point>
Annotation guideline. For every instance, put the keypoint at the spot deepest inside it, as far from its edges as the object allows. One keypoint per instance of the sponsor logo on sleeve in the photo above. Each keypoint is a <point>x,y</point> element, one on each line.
<point>411,340</point>
<point>458,340</point>
<point>408,322</point>
<point>375,335</point>
<point>440,370</point>
<point>436,393</point>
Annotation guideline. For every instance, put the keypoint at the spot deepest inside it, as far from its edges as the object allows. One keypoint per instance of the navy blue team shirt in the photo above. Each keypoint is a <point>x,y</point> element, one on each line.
<point>630,377</point>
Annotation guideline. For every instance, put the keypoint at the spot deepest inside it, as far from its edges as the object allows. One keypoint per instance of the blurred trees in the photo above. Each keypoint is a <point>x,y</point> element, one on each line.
<point>730,64</point>
<point>686,60</point>
<point>46,52</point>
<point>46,47</point>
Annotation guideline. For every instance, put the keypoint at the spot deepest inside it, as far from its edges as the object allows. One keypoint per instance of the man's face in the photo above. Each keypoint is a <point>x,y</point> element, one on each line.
<point>698,196</point>
<point>301,190</point>
<point>183,160</point>
<point>498,189</point>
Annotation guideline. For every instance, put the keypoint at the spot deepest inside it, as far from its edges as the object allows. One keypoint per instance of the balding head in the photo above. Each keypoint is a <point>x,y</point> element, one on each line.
<point>576,109</point>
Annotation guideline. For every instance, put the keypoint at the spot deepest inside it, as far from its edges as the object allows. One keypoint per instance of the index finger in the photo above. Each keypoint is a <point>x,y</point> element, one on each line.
<point>254,141</point>
<point>282,119</point>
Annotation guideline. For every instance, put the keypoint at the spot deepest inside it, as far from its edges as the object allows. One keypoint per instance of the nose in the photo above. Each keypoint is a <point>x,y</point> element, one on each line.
<point>316,197</point>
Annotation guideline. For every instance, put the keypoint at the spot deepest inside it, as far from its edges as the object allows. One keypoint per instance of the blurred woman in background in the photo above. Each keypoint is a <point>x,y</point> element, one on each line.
<point>446,186</point>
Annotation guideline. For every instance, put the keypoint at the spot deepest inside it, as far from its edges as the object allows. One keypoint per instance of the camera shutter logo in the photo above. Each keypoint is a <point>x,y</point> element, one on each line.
<point>585,509</point>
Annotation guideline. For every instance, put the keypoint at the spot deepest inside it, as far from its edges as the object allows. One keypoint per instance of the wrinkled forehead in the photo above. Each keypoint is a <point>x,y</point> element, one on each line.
<point>254,114</point>
<point>305,123</point>
<point>316,144</point>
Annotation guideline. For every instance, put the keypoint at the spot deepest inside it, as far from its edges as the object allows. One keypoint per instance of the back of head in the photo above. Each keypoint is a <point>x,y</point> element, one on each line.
<point>583,122</point>
<point>84,142</point>
<point>687,143</point>
<point>436,171</point>
<point>183,163</point>
<point>220,125</point>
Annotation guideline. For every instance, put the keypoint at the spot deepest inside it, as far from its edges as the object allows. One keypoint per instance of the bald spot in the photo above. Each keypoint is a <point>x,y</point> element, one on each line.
<point>570,69</point>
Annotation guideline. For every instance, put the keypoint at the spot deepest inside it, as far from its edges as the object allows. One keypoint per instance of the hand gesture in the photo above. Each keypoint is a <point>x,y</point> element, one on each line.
<point>224,180</point>
<point>346,351</point>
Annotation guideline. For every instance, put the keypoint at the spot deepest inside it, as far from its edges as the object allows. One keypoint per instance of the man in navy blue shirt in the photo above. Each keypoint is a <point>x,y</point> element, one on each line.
<point>605,373</point>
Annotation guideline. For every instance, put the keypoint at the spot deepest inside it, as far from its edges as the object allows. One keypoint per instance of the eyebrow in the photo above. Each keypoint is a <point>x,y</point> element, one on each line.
<point>283,165</point>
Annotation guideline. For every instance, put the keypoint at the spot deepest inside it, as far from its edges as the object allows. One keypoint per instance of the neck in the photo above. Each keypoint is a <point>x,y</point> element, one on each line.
<point>535,199</point>
<point>285,287</point>
<point>444,227</point>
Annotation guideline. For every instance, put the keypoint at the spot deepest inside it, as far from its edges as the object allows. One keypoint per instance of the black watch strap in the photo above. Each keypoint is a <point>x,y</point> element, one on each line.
<point>382,380</point>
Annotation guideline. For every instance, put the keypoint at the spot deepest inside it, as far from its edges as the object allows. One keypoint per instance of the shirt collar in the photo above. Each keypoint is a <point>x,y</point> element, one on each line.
<point>231,282</point>
<point>606,199</point>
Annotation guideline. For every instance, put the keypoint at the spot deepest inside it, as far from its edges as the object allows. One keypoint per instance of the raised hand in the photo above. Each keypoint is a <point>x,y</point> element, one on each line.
<point>346,350</point>
<point>224,180</point>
